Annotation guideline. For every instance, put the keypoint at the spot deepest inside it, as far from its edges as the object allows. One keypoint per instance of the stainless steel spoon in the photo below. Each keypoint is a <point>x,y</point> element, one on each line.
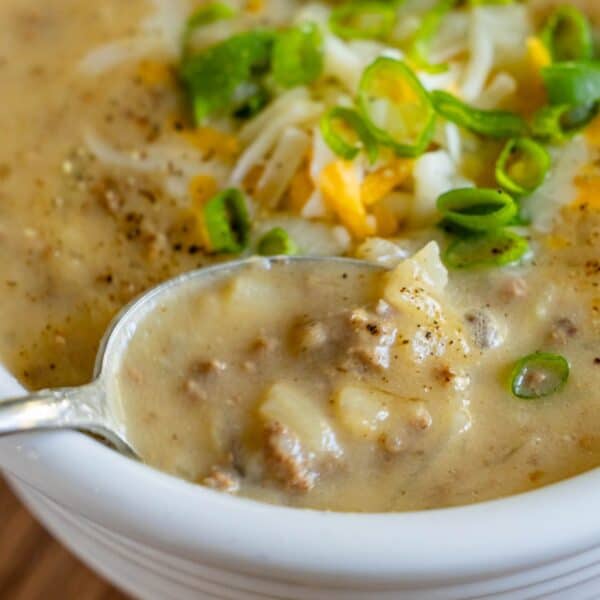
<point>93,408</point>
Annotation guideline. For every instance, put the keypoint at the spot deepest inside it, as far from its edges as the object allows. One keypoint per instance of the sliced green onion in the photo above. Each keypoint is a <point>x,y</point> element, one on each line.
<point>522,166</point>
<point>253,104</point>
<point>495,249</point>
<point>217,11</point>
<point>492,123</point>
<point>539,375</point>
<point>217,78</point>
<point>347,134</point>
<point>568,35</point>
<point>396,107</point>
<point>419,52</point>
<point>556,124</point>
<point>277,242</point>
<point>573,83</point>
<point>363,19</point>
<point>298,55</point>
<point>477,209</point>
<point>227,222</point>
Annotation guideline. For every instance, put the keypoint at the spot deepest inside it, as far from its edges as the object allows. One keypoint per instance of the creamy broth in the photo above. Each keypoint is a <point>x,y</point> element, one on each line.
<point>104,182</point>
<point>330,388</point>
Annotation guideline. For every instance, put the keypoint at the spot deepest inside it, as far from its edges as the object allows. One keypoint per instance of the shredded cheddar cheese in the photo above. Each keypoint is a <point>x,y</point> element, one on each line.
<point>212,141</point>
<point>537,54</point>
<point>300,190</point>
<point>201,189</point>
<point>381,182</point>
<point>255,6</point>
<point>342,192</point>
<point>154,73</point>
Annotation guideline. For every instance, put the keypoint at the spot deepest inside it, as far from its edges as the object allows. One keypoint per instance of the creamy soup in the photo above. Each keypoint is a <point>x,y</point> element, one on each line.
<point>358,389</point>
<point>456,146</point>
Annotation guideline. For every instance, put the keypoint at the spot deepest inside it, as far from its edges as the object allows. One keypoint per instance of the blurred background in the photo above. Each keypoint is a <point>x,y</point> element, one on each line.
<point>34,566</point>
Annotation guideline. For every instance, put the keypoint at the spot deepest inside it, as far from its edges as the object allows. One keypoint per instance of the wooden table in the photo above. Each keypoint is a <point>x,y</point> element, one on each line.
<point>33,566</point>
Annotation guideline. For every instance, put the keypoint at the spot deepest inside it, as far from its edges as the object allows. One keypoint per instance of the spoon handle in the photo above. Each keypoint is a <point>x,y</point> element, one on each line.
<point>80,408</point>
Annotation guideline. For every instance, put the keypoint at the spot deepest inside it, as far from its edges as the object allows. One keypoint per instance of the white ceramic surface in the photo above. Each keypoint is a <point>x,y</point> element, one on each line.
<point>161,538</point>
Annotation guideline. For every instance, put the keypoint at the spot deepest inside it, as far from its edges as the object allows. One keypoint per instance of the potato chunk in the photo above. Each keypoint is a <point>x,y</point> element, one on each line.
<point>291,407</point>
<point>364,412</point>
<point>299,439</point>
<point>416,289</point>
<point>377,416</point>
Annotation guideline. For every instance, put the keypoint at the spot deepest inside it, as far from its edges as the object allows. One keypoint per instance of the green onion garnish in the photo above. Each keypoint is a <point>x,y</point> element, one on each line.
<point>363,19</point>
<point>396,107</point>
<point>556,124</point>
<point>222,78</point>
<point>574,83</point>
<point>277,242</point>
<point>347,134</point>
<point>522,166</point>
<point>253,104</point>
<point>539,375</point>
<point>217,11</point>
<point>568,35</point>
<point>419,52</point>
<point>298,55</point>
<point>492,123</point>
<point>495,249</point>
<point>227,222</point>
<point>477,209</point>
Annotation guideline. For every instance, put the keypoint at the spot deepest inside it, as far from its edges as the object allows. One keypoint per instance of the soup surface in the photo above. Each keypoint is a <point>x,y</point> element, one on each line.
<point>142,143</point>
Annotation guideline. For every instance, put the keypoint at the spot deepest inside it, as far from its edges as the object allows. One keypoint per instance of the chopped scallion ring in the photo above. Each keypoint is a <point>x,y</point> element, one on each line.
<point>226,221</point>
<point>568,35</point>
<point>346,134</point>
<point>477,209</point>
<point>556,124</point>
<point>495,249</point>
<point>217,11</point>
<point>539,375</point>
<point>298,55</point>
<point>277,242</point>
<point>363,19</point>
<point>575,83</point>
<point>522,166</point>
<point>491,123</point>
<point>419,52</point>
<point>215,77</point>
<point>253,104</point>
<point>396,107</point>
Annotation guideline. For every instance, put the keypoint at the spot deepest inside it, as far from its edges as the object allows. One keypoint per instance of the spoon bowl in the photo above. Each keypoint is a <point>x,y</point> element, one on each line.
<point>94,408</point>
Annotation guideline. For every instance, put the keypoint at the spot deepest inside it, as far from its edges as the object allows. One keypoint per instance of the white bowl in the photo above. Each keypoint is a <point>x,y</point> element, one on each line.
<point>160,538</point>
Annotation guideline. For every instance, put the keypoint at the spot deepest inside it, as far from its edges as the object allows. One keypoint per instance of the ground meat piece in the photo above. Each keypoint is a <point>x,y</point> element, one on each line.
<point>484,329</point>
<point>562,330</point>
<point>209,367</point>
<point>264,344</point>
<point>374,334</point>
<point>222,480</point>
<point>134,374</point>
<point>444,374</point>
<point>419,421</point>
<point>194,391</point>
<point>534,380</point>
<point>513,288</point>
<point>287,458</point>
<point>310,335</point>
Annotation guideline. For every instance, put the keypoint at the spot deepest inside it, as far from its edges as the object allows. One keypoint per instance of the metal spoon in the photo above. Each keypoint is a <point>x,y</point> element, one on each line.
<point>92,408</point>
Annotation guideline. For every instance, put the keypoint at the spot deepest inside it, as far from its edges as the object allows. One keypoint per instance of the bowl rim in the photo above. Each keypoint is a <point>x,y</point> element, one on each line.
<point>194,523</point>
